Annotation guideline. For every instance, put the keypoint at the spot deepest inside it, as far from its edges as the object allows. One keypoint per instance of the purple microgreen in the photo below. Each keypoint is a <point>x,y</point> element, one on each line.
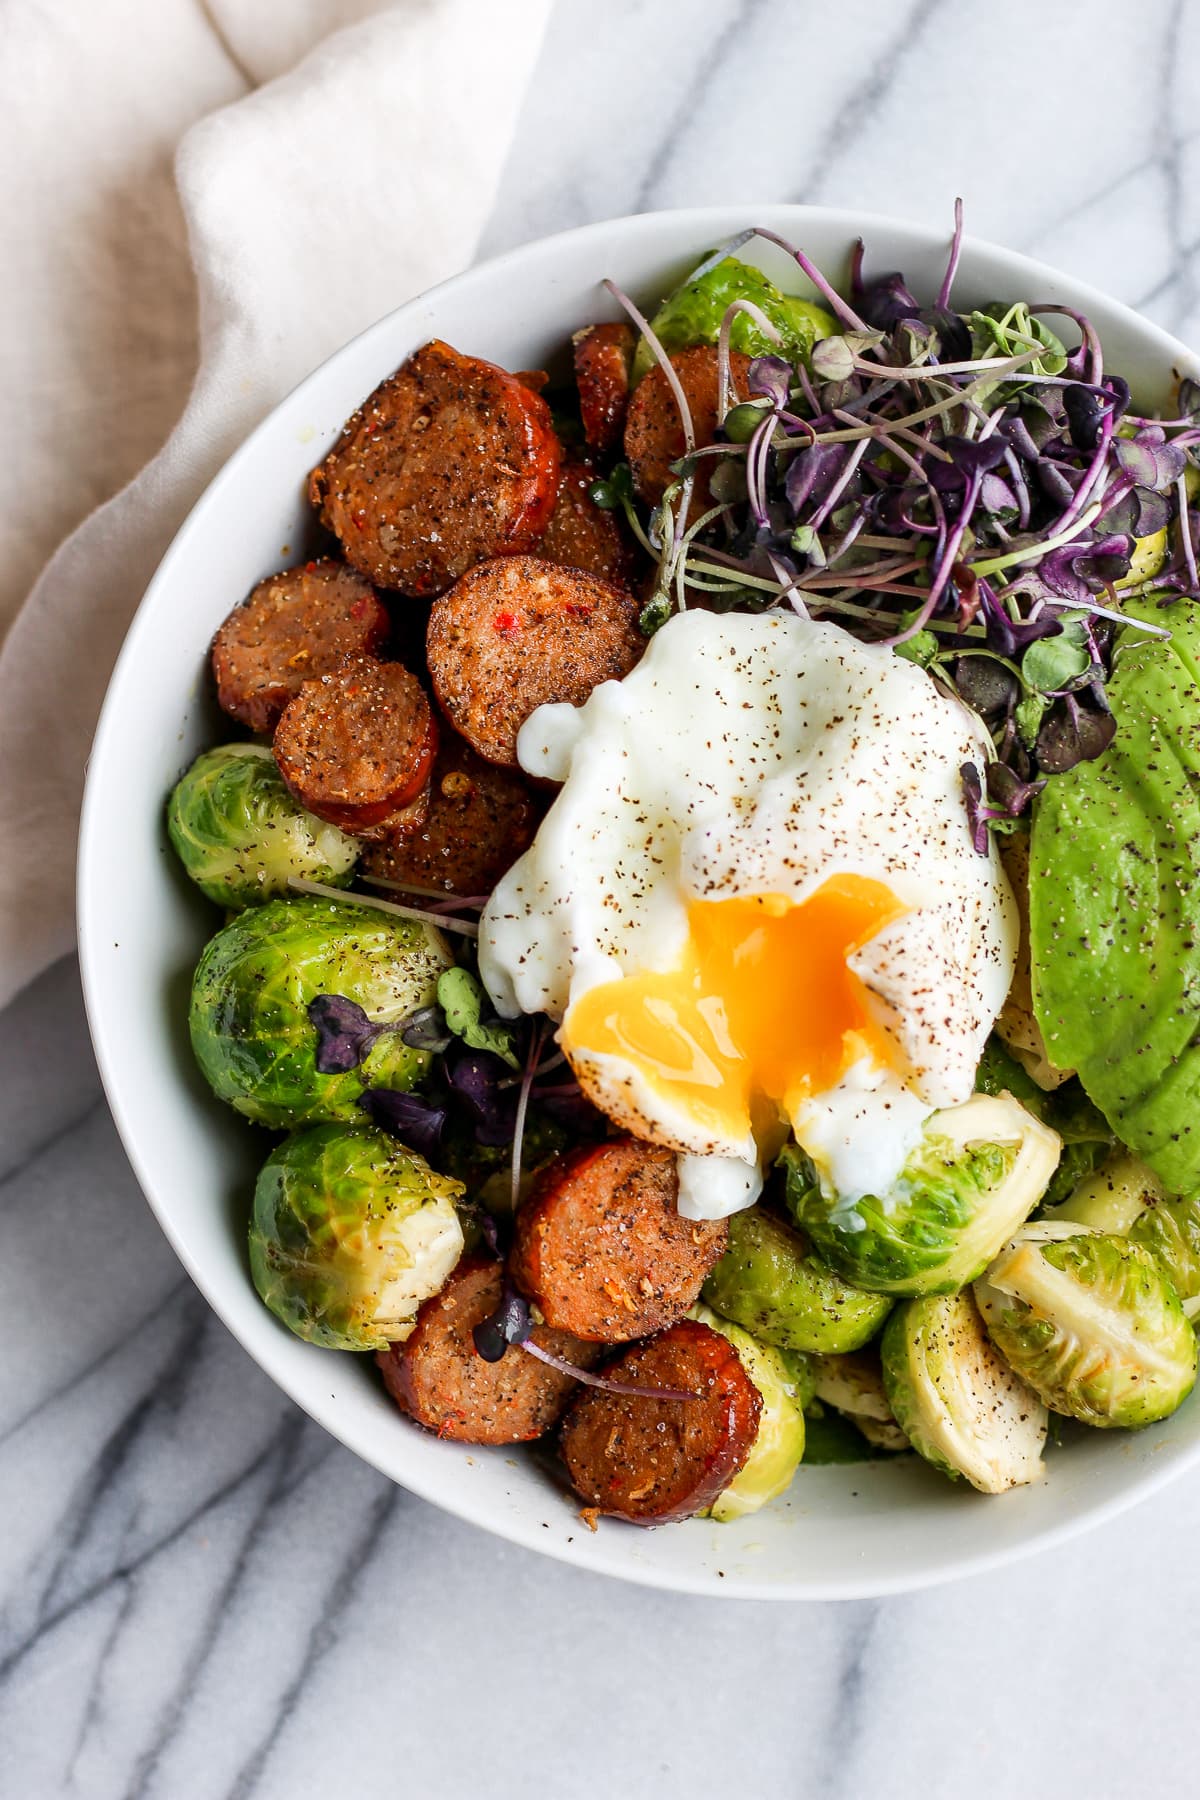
<point>536,1038</point>
<point>724,374</point>
<point>1094,355</point>
<point>465,927</point>
<point>569,1107</point>
<point>416,1121</point>
<point>830,295</point>
<point>610,1384</point>
<point>1076,571</point>
<point>344,1033</point>
<point>943,298</point>
<point>661,358</point>
<point>509,1324</point>
<point>1185,533</point>
<point>977,812</point>
<point>770,378</point>
<point>1153,465</point>
<point>424,893</point>
<point>426,1029</point>
<point>1071,734</point>
<point>975,456</point>
<point>886,300</point>
<point>1007,792</point>
<point>812,472</point>
<point>832,359</point>
<point>1085,415</point>
<point>474,1082</point>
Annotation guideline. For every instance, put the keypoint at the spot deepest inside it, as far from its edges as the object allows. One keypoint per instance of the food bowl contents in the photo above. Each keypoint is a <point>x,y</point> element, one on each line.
<point>712,894</point>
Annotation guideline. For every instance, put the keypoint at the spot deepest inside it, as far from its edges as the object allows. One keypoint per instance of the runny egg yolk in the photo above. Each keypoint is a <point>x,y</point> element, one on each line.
<point>760,1013</point>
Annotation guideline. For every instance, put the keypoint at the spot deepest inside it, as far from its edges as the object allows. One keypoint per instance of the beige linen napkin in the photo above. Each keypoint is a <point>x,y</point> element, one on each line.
<point>331,158</point>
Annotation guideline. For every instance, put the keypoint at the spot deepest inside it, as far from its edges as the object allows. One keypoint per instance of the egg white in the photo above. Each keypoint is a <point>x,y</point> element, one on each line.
<point>753,755</point>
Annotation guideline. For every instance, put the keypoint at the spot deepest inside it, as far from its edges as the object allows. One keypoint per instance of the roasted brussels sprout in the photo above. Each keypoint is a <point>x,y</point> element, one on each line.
<point>693,315</point>
<point>956,1399</point>
<point>853,1385</point>
<point>779,1443</point>
<point>350,1233</point>
<point>1090,1321</point>
<point>240,834</point>
<point>978,1172</point>
<point>1125,1197</point>
<point>770,1283</point>
<point>251,1029</point>
<point>1170,1231</point>
<point>1111,1197</point>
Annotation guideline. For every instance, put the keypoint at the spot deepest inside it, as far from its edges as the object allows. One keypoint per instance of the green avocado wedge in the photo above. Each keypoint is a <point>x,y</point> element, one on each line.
<point>693,315</point>
<point>1114,896</point>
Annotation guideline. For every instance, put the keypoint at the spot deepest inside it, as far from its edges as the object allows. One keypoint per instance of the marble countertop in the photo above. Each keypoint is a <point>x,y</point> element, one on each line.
<point>202,1596</point>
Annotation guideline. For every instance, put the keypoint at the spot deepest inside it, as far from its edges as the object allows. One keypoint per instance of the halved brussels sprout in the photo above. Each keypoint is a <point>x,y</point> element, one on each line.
<point>1112,1197</point>
<point>1125,1197</point>
<point>250,1026</point>
<point>770,1283</point>
<point>350,1232</point>
<point>978,1172</point>
<point>240,834</point>
<point>693,315</point>
<point>779,1443</point>
<point>1170,1231</point>
<point>853,1385</point>
<point>1090,1321</point>
<point>955,1398</point>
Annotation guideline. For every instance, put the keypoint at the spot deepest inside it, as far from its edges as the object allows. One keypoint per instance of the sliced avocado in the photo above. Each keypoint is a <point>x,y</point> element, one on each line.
<point>1115,902</point>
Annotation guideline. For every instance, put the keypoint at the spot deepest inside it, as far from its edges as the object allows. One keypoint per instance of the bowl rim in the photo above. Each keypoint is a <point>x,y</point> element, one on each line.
<point>459,1502</point>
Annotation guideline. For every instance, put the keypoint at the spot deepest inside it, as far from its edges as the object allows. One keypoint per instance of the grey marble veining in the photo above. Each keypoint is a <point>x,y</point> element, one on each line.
<point>202,1597</point>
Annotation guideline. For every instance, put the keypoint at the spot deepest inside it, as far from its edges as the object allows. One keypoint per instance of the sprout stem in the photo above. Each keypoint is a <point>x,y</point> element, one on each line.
<point>1185,532</point>
<point>943,299</point>
<point>1033,552</point>
<point>609,1384</point>
<point>302,885</point>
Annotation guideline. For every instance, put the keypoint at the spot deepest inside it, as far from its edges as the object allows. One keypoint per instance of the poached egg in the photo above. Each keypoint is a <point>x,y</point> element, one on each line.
<point>754,906</point>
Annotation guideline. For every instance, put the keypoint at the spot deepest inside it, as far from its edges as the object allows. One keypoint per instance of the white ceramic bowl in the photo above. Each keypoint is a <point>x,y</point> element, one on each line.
<point>871,1528</point>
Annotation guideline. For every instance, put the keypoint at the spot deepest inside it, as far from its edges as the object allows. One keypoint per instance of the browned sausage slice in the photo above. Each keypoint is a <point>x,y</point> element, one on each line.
<point>654,436</point>
<point>450,461</point>
<point>356,747</point>
<point>297,624</point>
<point>603,359</point>
<point>439,1378</point>
<point>479,820</point>
<point>517,632</point>
<point>581,535</point>
<point>655,1461</point>
<point>601,1248</point>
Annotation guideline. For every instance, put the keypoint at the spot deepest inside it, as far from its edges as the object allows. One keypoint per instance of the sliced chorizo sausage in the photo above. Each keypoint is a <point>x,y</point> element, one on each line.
<point>356,747</point>
<point>654,1461</point>
<point>479,819</point>
<point>518,632</point>
<point>581,535</point>
<point>439,1378</point>
<point>451,460</point>
<point>654,435</point>
<point>603,359</point>
<point>297,624</point>
<point>601,1247</point>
